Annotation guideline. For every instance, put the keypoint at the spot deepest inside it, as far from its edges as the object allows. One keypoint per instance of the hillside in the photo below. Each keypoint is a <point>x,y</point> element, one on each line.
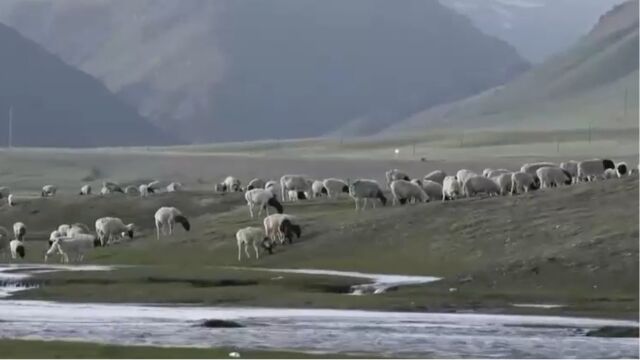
<point>595,83</point>
<point>220,70</point>
<point>56,105</point>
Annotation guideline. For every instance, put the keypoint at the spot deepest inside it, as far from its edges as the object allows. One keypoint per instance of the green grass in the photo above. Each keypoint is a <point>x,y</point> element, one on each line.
<point>37,349</point>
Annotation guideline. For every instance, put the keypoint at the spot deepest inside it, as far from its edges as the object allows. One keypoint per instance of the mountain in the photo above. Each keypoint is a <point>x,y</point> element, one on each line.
<point>537,28</point>
<point>252,69</point>
<point>595,83</point>
<point>56,105</point>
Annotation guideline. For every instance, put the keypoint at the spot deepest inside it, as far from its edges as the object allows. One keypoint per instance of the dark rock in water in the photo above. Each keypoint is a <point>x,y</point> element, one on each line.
<point>216,323</point>
<point>615,331</point>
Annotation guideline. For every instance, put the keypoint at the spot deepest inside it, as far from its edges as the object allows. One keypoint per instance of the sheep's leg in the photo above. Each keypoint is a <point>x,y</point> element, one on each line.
<point>250,209</point>
<point>255,247</point>
<point>364,204</point>
<point>239,251</point>
<point>356,201</point>
<point>246,250</point>
<point>171,224</point>
<point>157,230</point>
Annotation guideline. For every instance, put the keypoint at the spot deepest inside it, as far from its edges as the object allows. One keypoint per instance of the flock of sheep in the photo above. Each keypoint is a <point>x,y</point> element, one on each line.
<point>77,239</point>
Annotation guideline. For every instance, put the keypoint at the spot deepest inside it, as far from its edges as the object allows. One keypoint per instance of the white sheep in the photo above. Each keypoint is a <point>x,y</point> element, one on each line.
<point>622,169</point>
<point>153,186</point>
<point>132,190</point>
<point>451,188</point>
<point>495,173</point>
<point>55,234</point>
<point>364,189</point>
<point>432,188</point>
<point>531,168</point>
<point>63,229</point>
<point>462,175</point>
<point>317,189</point>
<point>504,182</point>
<point>19,230</point>
<point>486,172</point>
<point>551,176</point>
<point>262,199</point>
<point>109,187</point>
<point>85,190</point>
<point>78,228</point>
<point>174,186</point>
<point>479,184</point>
<point>298,183</point>
<point>77,245</point>
<point>335,187</point>
<point>17,249</point>
<point>251,235</point>
<point>11,201</point>
<point>395,174</point>
<point>590,170</point>
<point>48,190</point>
<point>232,184</point>
<point>256,183</point>
<point>610,174</point>
<point>111,229</point>
<point>143,190</point>
<point>522,181</point>
<point>281,227</point>
<point>571,166</point>
<point>404,191</point>
<point>436,175</point>
<point>166,218</point>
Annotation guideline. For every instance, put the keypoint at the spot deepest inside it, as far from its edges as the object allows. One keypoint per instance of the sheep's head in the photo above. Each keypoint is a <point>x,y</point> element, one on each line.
<point>130,228</point>
<point>345,189</point>
<point>20,251</point>
<point>274,203</point>
<point>97,242</point>
<point>268,245</point>
<point>608,164</point>
<point>382,198</point>
<point>184,221</point>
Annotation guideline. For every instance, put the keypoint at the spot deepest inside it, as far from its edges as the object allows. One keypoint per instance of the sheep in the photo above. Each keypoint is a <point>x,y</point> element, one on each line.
<point>19,230</point>
<point>232,184</point>
<point>335,187</point>
<point>144,190</point>
<point>11,200</point>
<point>273,186</point>
<point>153,186</point>
<point>55,234</point>
<point>504,182</point>
<point>486,172</point>
<point>590,170</point>
<point>462,175</point>
<point>551,176</point>
<point>531,168</point>
<point>622,169</point>
<point>299,183</point>
<point>450,188</point>
<point>436,175</point>
<point>4,191</point>
<point>109,187</point>
<point>48,190</point>
<point>174,186</point>
<point>295,195</point>
<point>366,189</point>
<point>220,188</point>
<point>253,235</point>
<point>495,173</point>
<point>85,190</point>
<point>166,217</point>
<point>262,198</point>
<point>77,245</point>
<point>273,229</point>
<point>63,229</point>
<point>317,189</point>
<point>256,183</point>
<point>395,174</point>
<point>609,174</point>
<point>78,228</point>
<point>403,191</point>
<point>522,181</point>
<point>479,184</point>
<point>433,189</point>
<point>572,167</point>
<point>132,190</point>
<point>17,248</point>
<point>112,228</point>
<point>288,229</point>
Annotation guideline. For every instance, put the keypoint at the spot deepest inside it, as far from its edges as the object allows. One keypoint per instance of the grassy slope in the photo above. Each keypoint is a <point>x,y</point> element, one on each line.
<point>576,246</point>
<point>35,349</point>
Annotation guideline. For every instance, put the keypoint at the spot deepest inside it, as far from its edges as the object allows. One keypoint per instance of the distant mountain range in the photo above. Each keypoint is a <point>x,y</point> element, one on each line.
<point>537,28</point>
<point>212,70</point>
<point>594,83</point>
<point>54,104</point>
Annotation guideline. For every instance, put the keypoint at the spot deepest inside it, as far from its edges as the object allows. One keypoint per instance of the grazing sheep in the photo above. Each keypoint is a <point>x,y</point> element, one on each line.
<point>166,218</point>
<point>432,188</point>
<point>111,229</point>
<point>78,228</point>
<point>522,181</point>
<point>299,183</point>
<point>55,234</point>
<point>531,168</point>
<point>109,187</point>
<point>436,175</point>
<point>19,230</point>
<point>335,187</point>
<point>479,184</point>
<point>48,190</point>
<point>450,188</point>
<point>11,200</point>
<point>174,186</point>
<point>273,186</point>
<point>232,184</point>
<point>64,229</point>
<point>254,236</point>
<point>622,169</point>
<point>571,167</point>
<point>272,228</point>
<point>403,191</point>
<point>590,170</point>
<point>495,173</point>
<point>504,182</point>
<point>317,189</point>
<point>609,174</point>
<point>486,172</point>
<point>366,189</point>
<point>85,190</point>
<point>295,195</point>
<point>462,175</point>
<point>4,191</point>
<point>77,245</point>
<point>288,229</point>
<point>256,183</point>
<point>220,188</point>
<point>395,174</point>
<point>17,248</point>
<point>133,190</point>
<point>551,176</point>
<point>262,198</point>
<point>153,186</point>
<point>143,190</point>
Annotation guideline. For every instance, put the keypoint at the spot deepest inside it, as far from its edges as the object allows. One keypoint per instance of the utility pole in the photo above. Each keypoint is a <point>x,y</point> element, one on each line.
<point>10,127</point>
